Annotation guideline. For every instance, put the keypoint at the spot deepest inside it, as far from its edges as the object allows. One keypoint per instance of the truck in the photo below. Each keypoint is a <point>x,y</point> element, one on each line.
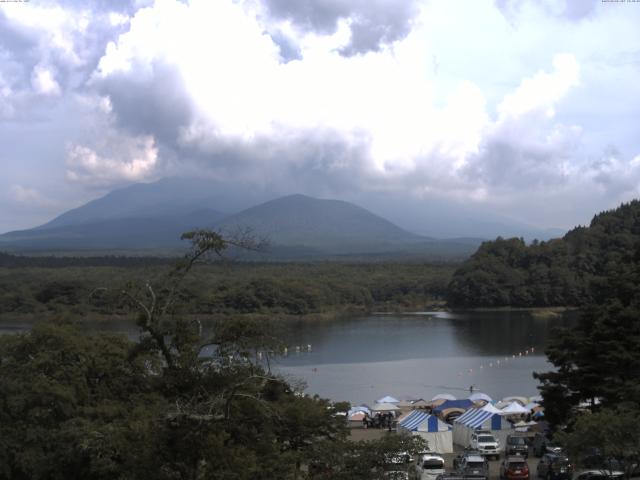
<point>485,443</point>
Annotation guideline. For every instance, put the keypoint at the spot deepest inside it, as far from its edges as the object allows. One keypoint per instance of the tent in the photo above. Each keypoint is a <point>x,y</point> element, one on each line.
<point>514,408</point>
<point>521,400</point>
<point>385,407</point>
<point>437,433</point>
<point>443,396</point>
<point>480,397</point>
<point>463,404</point>
<point>530,406</point>
<point>388,399</point>
<point>450,414</point>
<point>480,419</point>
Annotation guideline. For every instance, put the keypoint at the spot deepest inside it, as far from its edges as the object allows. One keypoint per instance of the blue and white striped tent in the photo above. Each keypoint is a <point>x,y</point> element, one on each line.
<point>437,433</point>
<point>486,418</point>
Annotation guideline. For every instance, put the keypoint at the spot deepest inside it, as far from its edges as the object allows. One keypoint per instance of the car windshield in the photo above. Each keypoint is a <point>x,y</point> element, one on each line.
<point>486,438</point>
<point>516,441</point>
<point>475,464</point>
<point>433,464</point>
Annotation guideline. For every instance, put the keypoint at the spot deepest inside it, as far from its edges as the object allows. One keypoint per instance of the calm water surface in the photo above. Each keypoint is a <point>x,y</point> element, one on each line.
<point>361,359</point>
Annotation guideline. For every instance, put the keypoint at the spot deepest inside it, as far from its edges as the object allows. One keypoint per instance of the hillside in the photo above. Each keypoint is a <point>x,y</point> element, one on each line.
<point>297,220</point>
<point>569,271</point>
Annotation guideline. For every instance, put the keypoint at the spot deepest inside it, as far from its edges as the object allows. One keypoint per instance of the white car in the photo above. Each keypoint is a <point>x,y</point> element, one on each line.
<point>485,443</point>
<point>429,465</point>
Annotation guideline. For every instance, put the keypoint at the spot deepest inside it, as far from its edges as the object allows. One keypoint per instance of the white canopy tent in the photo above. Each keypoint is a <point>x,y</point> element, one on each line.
<point>514,408</point>
<point>437,433</point>
<point>385,407</point>
<point>443,396</point>
<point>388,399</point>
<point>480,397</point>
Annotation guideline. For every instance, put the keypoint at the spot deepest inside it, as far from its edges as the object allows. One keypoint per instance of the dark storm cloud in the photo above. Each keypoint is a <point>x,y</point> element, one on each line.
<point>374,23</point>
<point>502,163</point>
<point>153,101</point>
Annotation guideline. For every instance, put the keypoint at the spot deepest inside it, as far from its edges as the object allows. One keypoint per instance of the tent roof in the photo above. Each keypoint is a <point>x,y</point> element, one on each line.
<point>490,408</point>
<point>515,408</point>
<point>443,396</point>
<point>422,421</point>
<point>480,396</point>
<point>388,399</point>
<point>384,407</point>
<point>521,400</point>
<point>359,408</point>
<point>463,404</point>
<point>474,417</point>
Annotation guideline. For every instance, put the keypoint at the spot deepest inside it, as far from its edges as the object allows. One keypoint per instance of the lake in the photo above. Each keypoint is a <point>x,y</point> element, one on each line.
<point>361,359</point>
<point>364,358</point>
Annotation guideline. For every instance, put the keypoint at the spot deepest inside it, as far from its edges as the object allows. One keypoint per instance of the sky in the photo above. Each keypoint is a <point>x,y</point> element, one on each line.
<point>529,109</point>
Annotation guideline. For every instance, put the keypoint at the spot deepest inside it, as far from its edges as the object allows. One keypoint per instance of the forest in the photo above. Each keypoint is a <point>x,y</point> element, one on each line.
<point>35,288</point>
<point>569,271</point>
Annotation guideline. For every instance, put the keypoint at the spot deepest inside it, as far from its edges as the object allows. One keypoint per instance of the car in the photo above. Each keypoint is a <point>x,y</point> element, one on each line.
<point>429,465</point>
<point>485,443</point>
<point>554,466</point>
<point>516,445</point>
<point>514,468</point>
<point>467,451</point>
<point>473,466</point>
<point>542,444</point>
<point>450,476</point>
<point>600,475</point>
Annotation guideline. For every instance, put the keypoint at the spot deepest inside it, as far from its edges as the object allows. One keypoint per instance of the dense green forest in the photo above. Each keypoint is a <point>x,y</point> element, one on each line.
<point>46,286</point>
<point>563,272</point>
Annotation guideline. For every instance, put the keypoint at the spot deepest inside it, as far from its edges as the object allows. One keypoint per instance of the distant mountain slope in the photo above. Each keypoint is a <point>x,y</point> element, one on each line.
<point>160,232</point>
<point>297,220</point>
<point>570,271</point>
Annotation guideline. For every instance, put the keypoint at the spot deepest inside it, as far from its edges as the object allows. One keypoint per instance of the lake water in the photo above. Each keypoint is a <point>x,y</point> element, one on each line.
<point>361,359</point>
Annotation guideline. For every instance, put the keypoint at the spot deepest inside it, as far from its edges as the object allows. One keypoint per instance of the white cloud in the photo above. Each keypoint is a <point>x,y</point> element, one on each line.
<point>43,81</point>
<point>121,159</point>
<point>22,196</point>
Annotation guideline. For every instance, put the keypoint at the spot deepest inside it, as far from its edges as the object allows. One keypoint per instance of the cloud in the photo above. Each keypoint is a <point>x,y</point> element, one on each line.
<point>570,10</point>
<point>43,81</point>
<point>118,159</point>
<point>372,23</point>
<point>26,197</point>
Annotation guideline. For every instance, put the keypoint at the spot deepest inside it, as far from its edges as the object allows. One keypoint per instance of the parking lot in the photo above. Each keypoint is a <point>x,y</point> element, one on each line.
<point>494,465</point>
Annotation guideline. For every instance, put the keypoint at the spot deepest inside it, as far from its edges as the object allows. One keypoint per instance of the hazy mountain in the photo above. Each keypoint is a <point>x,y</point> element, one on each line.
<point>143,217</point>
<point>159,232</point>
<point>152,216</point>
<point>305,221</point>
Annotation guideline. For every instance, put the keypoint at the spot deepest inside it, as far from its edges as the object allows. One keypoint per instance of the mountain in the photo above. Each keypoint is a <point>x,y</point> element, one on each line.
<point>153,232</point>
<point>302,220</point>
<point>152,218</point>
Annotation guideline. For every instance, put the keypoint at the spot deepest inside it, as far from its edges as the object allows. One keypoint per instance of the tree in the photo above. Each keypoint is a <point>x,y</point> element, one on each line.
<point>611,433</point>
